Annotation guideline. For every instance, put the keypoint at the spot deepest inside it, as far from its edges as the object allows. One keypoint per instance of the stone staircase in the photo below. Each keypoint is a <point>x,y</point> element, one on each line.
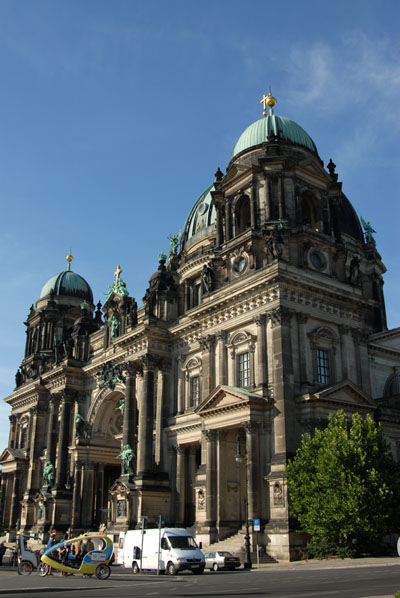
<point>235,545</point>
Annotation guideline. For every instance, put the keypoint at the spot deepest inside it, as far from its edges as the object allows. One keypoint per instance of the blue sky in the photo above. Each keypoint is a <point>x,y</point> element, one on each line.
<point>115,116</point>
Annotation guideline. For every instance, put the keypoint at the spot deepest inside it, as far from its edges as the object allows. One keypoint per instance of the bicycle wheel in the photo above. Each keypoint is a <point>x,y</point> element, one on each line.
<point>43,569</point>
<point>25,568</point>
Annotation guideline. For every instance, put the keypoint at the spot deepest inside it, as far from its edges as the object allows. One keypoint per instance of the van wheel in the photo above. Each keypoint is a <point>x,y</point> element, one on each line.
<point>135,568</point>
<point>171,570</point>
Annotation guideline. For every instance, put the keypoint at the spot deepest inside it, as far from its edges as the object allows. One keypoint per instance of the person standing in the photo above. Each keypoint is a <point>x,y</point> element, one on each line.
<point>3,548</point>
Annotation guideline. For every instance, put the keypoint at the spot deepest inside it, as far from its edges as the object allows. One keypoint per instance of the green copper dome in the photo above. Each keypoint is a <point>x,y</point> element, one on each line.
<point>201,221</point>
<point>67,284</point>
<point>265,129</point>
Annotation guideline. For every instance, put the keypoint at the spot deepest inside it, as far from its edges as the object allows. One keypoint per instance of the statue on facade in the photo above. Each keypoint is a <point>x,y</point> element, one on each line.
<point>274,243</point>
<point>207,279</point>
<point>114,326</point>
<point>368,231</point>
<point>18,378</point>
<point>173,243</point>
<point>79,426</point>
<point>121,406</point>
<point>48,474</point>
<point>355,269</point>
<point>128,458</point>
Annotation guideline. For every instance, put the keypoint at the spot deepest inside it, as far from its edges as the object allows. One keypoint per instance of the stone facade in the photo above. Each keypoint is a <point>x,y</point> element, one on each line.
<point>266,317</point>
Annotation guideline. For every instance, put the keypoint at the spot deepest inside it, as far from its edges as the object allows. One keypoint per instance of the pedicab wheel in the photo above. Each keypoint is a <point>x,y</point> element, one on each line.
<point>102,571</point>
<point>43,569</point>
<point>25,568</point>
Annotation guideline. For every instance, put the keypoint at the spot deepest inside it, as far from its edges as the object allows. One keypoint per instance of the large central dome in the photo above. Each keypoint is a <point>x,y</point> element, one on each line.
<point>67,284</point>
<point>272,127</point>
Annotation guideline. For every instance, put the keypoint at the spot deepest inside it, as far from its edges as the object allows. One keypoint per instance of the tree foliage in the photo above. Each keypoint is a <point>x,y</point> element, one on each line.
<point>344,485</point>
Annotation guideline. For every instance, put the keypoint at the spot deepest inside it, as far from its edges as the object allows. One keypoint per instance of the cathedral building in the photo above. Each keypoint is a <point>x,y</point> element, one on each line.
<point>267,315</point>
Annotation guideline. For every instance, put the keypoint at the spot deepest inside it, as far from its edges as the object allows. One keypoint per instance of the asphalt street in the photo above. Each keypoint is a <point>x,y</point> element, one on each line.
<point>359,578</point>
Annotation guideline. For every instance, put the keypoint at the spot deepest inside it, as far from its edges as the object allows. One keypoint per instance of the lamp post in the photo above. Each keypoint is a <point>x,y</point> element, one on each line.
<point>239,458</point>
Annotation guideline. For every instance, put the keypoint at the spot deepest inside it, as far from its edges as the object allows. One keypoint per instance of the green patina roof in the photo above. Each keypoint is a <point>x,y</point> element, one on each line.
<point>282,127</point>
<point>68,284</point>
<point>201,220</point>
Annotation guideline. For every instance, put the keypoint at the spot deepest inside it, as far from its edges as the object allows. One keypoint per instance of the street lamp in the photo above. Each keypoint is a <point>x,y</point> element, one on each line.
<point>239,458</point>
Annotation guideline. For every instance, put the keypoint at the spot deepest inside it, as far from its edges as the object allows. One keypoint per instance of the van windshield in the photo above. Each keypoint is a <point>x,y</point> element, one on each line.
<point>183,542</point>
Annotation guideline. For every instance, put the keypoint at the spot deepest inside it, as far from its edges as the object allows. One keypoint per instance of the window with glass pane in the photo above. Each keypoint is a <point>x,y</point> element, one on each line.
<point>244,369</point>
<point>323,366</point>
<point>194,390</point>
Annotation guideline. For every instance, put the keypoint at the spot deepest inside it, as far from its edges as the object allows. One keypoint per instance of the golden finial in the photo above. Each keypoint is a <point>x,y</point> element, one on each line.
<point>118,272</point>
<point>270,101</point>
<point>69,259</point>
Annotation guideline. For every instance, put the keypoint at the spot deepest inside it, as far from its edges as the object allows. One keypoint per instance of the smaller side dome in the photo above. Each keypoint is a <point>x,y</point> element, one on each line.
<point>273,126</point>
<point>201,221</point>
<point>67,284</point>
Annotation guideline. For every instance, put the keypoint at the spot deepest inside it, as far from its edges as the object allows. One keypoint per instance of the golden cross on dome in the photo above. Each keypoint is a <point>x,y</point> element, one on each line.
<point>268,100</point>
<point>118,272</point>
<point>69,259</point>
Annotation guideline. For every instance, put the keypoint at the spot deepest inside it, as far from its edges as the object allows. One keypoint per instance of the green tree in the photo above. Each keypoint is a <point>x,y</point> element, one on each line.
<point>344,486</point>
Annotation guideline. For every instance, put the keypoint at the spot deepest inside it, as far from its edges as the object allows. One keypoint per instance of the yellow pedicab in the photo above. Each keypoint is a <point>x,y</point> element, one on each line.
<point>88,554</point>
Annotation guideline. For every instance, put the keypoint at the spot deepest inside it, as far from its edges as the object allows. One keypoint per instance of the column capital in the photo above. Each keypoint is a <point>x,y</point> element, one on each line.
<point>207,342</point>
<point>149,362</point>
<point>279,316</point>
<point>131,368</point>
<point>251,428</point>
<point>259,319</point>
<point>209,435</point>
<point>302,318</point>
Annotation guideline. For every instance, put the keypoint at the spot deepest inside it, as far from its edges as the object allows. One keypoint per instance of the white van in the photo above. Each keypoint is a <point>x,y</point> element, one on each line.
<point>170,550</point>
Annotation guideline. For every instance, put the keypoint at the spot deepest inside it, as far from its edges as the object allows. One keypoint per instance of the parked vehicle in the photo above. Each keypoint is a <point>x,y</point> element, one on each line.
<point>221,559</point>
<point>27,560</point>
<point>165,550</point>
<point>88,554</point>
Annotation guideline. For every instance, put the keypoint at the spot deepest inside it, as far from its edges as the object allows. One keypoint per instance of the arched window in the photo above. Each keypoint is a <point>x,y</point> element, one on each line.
<point>307,211</point>
<point>243,220</point>
<point>393,385</point>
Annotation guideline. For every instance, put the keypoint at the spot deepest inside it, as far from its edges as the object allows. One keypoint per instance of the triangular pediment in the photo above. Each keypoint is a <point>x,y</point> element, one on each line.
<point>11,455</point>
<point>346,393</point>
<point>229,397</point>
<point>122,486</point>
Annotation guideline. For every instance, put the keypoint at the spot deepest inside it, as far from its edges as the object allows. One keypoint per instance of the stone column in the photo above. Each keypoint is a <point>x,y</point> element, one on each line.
<point>228,221</point>
<point>180,486</point>
<point>343,332</point>
<point>130,423</point>
<point>11,437</point>
<point>52,429</point>
<point>161,407</point>
<point>211,477</point>
<point>63,440</point>
<point>208,365</point>
<point>261,365</point>
<point>146,412</point>
<point>251,430</point>
<point>281,198</point>
<point>284,421</point>
<point>221,472</point>
<point>77,496</point>
<point>356,343</point>
<point>87,496</point>
<point>181,386</point>
<point>302,348</point>
<point>172,470</point>
<point>15,502</point>
<point>253,205</point>
<point>222,358</point>
<point>268,210</point>
<point>35,448</point>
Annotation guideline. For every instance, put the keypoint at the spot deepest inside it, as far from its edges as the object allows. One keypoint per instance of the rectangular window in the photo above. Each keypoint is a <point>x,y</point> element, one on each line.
<point>244,369</point>
<point>194,391</point>
<point>323,366</point>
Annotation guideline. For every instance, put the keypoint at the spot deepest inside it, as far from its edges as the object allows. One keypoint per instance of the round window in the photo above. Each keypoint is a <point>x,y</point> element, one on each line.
<point>317,261</point>
<point>240,264</point>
